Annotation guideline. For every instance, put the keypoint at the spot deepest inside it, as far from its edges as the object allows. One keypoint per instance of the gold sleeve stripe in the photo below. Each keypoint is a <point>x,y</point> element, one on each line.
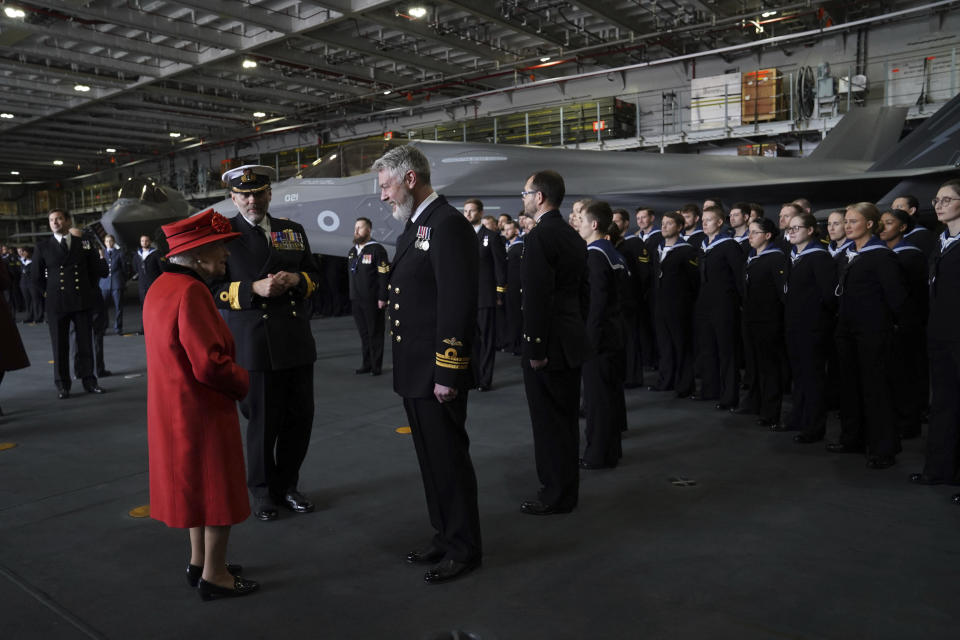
<point>453,362</point>
<point>310,286</point>
<point>502,289</point>
<point>233,295</point>
<point>384,269</point>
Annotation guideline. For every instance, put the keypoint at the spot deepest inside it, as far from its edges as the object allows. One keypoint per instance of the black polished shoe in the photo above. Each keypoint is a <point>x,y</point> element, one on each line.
<point>839,447</point>
<point>779,427</point>
<point>450,570</point>
<point>296,501</point>
<point>537,508</point>
<point>194,572</point>
<point>430,555</point>
<point>922,478</point>
<point>63,394</point>
<point>265,511</point>
<point>483,387</point>
<point>363,370</point>
<point>375,372</point>
<point>806,438</point>
<point>722,407</point>
<point>881,462</point>
<point>241,587</point>
<point>93,388</point>
<point>956,498</point>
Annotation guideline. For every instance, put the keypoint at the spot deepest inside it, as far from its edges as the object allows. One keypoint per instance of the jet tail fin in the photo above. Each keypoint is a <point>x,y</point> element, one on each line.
<point>864,134</point>
<point>934,143</point>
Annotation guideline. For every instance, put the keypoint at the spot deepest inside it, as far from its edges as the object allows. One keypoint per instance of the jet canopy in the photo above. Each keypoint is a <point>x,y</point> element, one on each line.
<point>349,159</point>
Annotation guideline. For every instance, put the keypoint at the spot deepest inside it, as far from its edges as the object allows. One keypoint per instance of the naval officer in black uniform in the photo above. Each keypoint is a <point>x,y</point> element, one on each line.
<point>263,297</point>
<point>368,275</point>
<point>554,281</point>
<point>492,269</point>
<point>68,269</point>
<point>433,311</point>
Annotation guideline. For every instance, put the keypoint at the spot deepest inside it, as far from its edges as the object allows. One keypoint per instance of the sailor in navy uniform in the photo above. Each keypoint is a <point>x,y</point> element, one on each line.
<point>810,314</point>
<point>649,234</point>
<point>942,459</point>
<point>910,339</point>
<point>837,247</point>
<point>740,225</point>
<point>263,297</point>
<point>871,296</point>
<point>369,276</point>
<point>633,304</point>
<point>555,292</point>
<point>111,287</point>
<point>68,269</point>
<point>433,311</point>
<point>677,283</point>
<point>492,270</point>
<point>717,313</point>
<point>918,236</point>
<point>514,315</point>
<point>603,370</point>
<point>692,231</point>
<point>766,275</point>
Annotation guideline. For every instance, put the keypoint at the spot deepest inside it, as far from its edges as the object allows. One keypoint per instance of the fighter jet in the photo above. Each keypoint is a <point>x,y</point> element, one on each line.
<point>143,205</point>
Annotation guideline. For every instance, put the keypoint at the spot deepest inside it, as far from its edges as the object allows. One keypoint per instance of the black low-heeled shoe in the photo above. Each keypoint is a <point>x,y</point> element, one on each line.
<point>241,587</point>
<point>194,572</point>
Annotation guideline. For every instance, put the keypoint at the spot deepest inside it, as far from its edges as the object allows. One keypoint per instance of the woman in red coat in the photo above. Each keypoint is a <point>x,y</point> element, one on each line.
<point>197,477</point>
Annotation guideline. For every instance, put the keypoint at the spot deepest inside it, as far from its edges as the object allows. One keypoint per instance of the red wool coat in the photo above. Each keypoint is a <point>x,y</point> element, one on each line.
<point>197,473</point>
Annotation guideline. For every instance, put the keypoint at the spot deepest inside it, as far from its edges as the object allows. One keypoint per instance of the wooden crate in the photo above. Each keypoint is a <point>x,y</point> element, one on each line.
<point>769,149</point>
<point>8,208</point>
<point>762,98</point>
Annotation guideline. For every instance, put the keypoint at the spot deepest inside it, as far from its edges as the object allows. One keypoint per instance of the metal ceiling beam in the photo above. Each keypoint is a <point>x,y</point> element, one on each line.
<point>203,116</point>
<point>607,11</point>
<point>148,118</point>
<point>275,75</point>
<point>47,87</point>
<point>369,48</point>
<point>61,134</point>
<point>48,70</point>
<point>66,56</point>
<point>30,99</point>
<point>312,60</point>
<point>228,85</point>
<point>215,99</point>
<point>488,11</point>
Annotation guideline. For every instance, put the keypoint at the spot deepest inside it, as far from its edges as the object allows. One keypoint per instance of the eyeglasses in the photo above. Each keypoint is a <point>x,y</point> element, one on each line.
<point>524,194</point>
<point>795,228</point>
<point>945,201</point>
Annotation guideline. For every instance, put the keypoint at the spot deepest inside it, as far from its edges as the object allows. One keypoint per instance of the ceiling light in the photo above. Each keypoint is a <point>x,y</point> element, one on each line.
<point>417,12</point>
<point>387,92</point>
<point>174,134</point>
<point>82,88</point>
<point>259,114</point>
<point>249,64</point>
<point>57,163</point>
<point>14,173</point>
<point>767,14</point>
<point>545,59</point>
<point>14,12</point>
<point>110,150</point>
<point>6,115</point>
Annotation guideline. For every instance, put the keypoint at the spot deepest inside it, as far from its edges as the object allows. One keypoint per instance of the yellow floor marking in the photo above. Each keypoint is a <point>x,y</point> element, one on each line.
<point>403,429</point>
<point>7,445</point>
<point>140,512</point>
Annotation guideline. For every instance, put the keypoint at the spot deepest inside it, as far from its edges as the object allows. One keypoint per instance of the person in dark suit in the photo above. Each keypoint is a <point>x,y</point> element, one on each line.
<point>368,277</point>
<point>492,271</point>
<point>604,369</point>
<point>677,284</point>
<point>633,304</point>
<point>918,236</point>
<point>15,270</point>
<point>32,296</point>
<point>112,286</point>
<point>942,456</point>
<point>98,327</point>
<point>717,313</point>
<point>809,314</point>
<point>146,267</point>
<point>511,232</point>
<point>433,308</point>
<point>263,297</point>
<point>555,293</point>
<point>69,269</point>
<point>872,294</point>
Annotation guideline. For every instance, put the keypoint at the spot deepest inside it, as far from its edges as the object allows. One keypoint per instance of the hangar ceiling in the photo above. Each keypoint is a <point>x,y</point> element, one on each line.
<point>94,82</point>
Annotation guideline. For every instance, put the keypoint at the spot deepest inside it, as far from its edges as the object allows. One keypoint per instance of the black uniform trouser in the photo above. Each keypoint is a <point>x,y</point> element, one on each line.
<point>763,343</point>
<point>553,398</point>
<point>114,297</point>
<point>675,338</point>
<point>604,407</point>
<point>514,323</point>
<point>370,322</point>
<point>59,325</point>
<point>485,348</point>
<point>29,301</point>
<point>717,337</point>
<point>279,411</point>
<point>911,379</point>
<point>449,482</point>
<point>503,340</point>
<point>648,343</point>
<point>808,351</point>
<point>633,363</point>
<point>943,437</point>
<point>866,403</point>
<point>98,325</point>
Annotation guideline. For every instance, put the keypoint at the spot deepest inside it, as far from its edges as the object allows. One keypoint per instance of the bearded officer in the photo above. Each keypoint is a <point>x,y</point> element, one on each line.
<point>270,276</point>
<point>433,311</point>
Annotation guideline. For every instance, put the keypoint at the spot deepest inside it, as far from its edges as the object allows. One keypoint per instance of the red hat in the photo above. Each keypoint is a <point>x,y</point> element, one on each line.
<point>196,231</point>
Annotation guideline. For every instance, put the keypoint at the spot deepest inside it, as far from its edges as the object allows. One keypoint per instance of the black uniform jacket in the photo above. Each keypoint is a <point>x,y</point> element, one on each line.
<point>369,272</point>
<point>116,269</point>
<point>71,281</point>
<point>555,293</point>
<point>811,303</point>
<point>640,266</point>
<point>609,278</point>
<point>514,262</point>
<point>871,289</point>
<point>271,333</point>
<point>923,239</point>
<point>915,267</point>
<point>492,268</point>
<point>944,284</point>
<point>764,284</point>
<point>721,274</point>
<point>678,278</point>
<point>433,302</point>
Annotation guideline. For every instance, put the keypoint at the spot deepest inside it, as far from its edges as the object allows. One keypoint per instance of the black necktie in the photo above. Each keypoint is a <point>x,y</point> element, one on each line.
<point>64,245</point>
